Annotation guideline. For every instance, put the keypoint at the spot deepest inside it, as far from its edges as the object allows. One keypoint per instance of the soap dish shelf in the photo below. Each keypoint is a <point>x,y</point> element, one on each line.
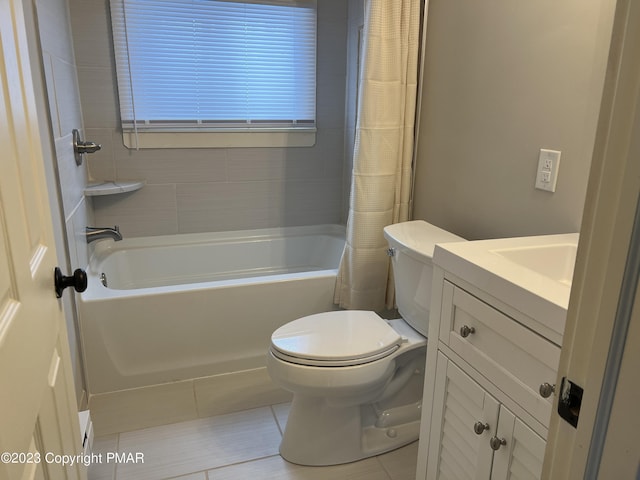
<point>112,187</point>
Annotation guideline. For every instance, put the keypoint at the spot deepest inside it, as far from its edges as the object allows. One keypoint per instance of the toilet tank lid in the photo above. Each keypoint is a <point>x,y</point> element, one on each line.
<point>418,237</point>
<point>336,336</point>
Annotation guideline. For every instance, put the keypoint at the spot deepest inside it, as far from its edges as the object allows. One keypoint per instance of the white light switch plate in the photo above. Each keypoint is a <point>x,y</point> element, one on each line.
<point>547,173</point>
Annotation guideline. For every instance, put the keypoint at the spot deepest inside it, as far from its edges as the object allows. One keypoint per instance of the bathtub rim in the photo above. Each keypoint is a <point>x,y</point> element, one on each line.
<point>103,248</point>
<point>106,246</point>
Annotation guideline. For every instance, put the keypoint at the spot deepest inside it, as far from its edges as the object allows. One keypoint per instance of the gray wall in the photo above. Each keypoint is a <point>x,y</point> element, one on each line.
<point>354,32</point>
<point>503,79</point>
<point>198,190</point>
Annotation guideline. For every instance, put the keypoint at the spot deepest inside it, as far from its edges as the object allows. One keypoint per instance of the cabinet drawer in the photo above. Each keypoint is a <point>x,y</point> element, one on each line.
<point>512,357</point>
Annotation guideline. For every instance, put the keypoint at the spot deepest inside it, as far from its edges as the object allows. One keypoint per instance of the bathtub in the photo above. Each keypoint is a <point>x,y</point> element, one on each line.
<point>170,308</point>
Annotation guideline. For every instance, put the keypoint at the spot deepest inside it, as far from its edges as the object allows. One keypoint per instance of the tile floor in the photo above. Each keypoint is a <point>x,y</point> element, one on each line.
<point>236,446</point>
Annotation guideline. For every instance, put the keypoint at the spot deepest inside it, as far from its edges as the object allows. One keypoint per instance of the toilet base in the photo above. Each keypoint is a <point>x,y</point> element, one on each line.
<point>335,435</point>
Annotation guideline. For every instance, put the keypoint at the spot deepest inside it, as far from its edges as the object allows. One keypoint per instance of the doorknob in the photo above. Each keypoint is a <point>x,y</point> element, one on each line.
<point>78,281</point>
<point>80,147</point>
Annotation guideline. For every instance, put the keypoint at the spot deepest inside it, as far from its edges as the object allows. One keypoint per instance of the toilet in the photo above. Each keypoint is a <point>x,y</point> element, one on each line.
<point>357,378</point>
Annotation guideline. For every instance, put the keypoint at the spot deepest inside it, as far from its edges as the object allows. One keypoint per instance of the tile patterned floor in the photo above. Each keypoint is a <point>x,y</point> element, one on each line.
<point>236,446</point>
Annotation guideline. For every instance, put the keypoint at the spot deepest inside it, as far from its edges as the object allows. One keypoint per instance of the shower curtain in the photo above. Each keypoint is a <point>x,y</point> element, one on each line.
<point>383,152</point>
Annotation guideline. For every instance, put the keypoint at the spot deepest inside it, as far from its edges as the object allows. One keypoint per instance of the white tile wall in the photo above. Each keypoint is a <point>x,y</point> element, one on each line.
<point>143,407</point>
<point>166,403</point>
<point>164,166</point>
<point>88,22</point>
<point>80,218</point>
<point>239,391</point>
<point>98,96</point>
<point>54,28</point>
<point>64,105</point>
<point>101,164</point>
<point>66,96</point>
<point>72,178</point>
<point>148,211</point>
<point>213,189</point>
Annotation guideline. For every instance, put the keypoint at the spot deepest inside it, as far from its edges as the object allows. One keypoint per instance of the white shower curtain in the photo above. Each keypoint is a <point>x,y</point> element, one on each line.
<point>381,177</point>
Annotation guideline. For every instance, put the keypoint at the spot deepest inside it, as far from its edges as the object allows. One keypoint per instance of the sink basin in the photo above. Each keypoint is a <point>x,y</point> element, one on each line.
<point>555,261</point>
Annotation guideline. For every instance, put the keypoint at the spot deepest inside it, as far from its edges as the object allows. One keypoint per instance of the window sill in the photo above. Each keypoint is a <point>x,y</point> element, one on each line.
<point>270,138</point>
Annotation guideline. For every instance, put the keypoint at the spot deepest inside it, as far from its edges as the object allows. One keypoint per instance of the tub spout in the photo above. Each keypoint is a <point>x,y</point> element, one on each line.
<point>98,233</point>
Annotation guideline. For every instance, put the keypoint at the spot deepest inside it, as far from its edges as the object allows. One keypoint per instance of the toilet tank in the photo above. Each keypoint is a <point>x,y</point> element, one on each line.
<point>412,244</point>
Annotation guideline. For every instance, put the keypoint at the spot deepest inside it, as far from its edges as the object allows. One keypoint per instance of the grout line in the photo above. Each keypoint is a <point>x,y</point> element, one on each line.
<point>242,463</point>
<point>275,417</point>
<point>115,465</point>
<point>206,476</point>
<point>209,473</point>
<point>382,467</point>
<point>195,398</point>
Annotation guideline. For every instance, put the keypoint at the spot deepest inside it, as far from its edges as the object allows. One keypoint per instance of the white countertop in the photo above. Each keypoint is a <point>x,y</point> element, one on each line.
<point>531,274</point>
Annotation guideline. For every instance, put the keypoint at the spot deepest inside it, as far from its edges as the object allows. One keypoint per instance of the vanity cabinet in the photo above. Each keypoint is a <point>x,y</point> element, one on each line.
<point>483,414</point>
<point>474,436</point>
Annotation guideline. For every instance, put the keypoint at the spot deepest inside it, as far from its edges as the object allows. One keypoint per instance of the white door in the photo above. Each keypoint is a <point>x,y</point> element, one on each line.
<point>38,416</point>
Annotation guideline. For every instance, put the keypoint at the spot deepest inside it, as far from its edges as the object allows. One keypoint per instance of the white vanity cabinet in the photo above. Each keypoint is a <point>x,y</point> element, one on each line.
<point>483,414</point>
<point>473,436</point>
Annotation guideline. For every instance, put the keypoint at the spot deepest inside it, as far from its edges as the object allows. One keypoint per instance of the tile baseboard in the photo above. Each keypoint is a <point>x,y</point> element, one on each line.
<point>154,405</point>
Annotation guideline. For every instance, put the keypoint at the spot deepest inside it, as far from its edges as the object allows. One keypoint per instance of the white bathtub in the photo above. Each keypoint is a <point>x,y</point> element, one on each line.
<point>185,306</point>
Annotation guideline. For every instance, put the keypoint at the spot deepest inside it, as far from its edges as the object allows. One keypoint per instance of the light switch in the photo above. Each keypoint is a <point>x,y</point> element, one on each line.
<point>547,173</point>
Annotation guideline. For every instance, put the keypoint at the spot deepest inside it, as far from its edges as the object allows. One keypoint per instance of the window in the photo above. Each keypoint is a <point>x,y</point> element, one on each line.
<point>241,72</point>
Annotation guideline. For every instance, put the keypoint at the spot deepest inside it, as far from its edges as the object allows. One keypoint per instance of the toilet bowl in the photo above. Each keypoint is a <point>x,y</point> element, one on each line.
<point>357,378</point>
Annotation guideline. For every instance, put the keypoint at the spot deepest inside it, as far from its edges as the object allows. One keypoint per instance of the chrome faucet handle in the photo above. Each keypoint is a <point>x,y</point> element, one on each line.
<point>80,147</point>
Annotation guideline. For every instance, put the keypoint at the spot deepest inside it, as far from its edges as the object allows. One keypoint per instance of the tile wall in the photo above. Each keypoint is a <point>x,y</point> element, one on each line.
<point>199,190</point>
<point>59,70</point>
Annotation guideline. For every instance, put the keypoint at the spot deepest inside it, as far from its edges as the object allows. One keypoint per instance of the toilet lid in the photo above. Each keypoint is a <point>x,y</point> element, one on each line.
<point>347,337</point>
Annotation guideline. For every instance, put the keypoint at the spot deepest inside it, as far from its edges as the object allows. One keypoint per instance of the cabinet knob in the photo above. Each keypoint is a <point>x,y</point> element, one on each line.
<point>546,389</point>
<point>496,442</point>
<point>466,330</point>
<point>480,427</point>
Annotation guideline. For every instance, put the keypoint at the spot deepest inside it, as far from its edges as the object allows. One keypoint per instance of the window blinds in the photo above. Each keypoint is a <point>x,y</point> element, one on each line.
<point>215,64</point>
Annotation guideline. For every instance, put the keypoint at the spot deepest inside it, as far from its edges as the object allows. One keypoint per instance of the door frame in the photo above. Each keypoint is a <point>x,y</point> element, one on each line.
<point>598,296</point>
<point>53,185</point>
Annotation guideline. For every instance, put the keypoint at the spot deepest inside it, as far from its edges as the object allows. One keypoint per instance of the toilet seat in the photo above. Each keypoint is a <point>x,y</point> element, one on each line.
<point>335,339</point>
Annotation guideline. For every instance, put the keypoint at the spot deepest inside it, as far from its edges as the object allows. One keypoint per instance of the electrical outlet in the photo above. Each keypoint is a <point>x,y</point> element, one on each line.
<point>547,173</point>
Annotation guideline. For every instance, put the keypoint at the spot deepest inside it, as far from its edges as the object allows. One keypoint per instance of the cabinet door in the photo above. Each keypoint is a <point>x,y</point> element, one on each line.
<point>521,456</point>
<point>456,451</point>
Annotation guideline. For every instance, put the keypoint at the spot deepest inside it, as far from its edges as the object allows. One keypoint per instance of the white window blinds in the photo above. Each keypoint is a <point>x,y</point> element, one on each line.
<point>186,65</point>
